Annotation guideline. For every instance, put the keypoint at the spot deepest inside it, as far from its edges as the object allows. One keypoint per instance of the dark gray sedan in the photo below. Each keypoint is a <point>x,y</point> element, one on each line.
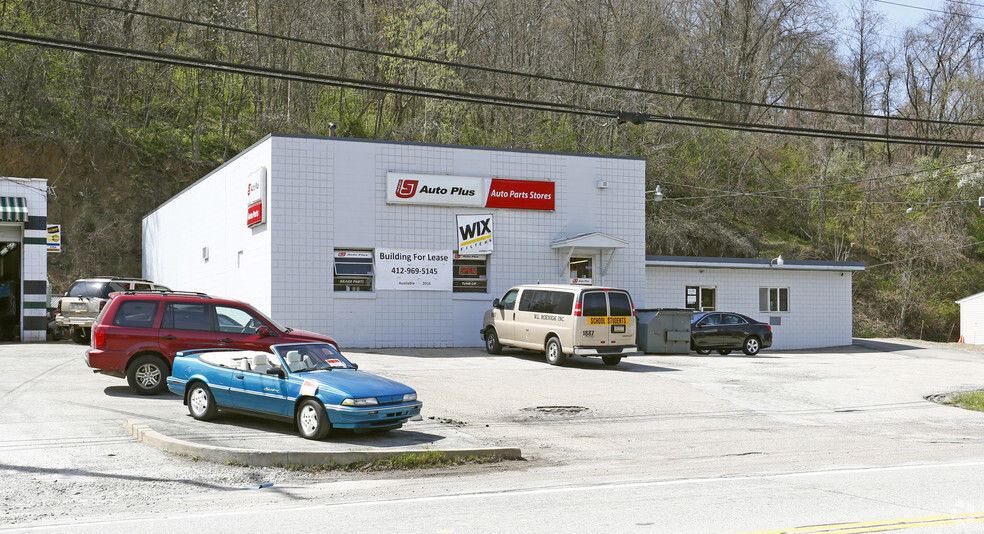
<point>725,331</point>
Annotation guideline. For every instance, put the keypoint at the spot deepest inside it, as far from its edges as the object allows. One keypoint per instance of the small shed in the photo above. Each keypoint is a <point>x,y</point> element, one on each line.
<point>972,319</point>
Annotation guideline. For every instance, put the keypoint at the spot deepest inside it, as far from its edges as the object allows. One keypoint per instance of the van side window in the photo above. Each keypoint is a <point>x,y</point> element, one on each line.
<point>621,305</point>
<point>508,302</point>
<point>526,301</point>
<point>594,304</point>
<point>556,302</point>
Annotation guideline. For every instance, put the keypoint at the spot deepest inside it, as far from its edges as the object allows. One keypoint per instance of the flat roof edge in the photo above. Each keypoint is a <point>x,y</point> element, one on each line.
<point>752,263</point>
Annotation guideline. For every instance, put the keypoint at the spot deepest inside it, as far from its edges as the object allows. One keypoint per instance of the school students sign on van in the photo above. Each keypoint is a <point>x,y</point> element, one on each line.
<point>412,269</point>
<point>475,234</point>
<point>447,190</point>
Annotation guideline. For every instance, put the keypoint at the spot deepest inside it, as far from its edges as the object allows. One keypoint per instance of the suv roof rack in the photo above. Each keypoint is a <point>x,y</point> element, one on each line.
<point>114,277</point>
<point>164,292</point>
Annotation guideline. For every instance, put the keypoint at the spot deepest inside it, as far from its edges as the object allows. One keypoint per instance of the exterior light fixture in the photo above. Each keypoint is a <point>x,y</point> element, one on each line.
<point>776,261</point>
<point>659,194</point>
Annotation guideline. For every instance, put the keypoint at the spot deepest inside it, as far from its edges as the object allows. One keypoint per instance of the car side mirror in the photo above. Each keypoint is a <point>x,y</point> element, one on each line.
<point>263,331</point>
<point>496,303</point>
<point>355,366</point>
<point>276,371</point>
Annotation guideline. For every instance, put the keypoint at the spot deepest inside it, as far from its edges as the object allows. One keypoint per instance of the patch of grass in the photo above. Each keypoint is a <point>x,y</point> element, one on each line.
<point>401,462</point>
<point>970,401</point>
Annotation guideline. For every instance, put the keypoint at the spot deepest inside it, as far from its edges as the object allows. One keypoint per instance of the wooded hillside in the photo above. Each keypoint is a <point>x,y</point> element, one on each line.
<point>769,128</point>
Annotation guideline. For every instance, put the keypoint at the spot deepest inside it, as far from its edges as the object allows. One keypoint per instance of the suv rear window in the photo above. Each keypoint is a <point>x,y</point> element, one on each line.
<point>94,289</point>
<point>136,314</point>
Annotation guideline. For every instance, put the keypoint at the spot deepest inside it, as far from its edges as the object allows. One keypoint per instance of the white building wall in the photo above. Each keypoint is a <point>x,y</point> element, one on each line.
<point>330,193</point>
<point>972,319</point>
<point>820,306</point>
<point>211,213</point>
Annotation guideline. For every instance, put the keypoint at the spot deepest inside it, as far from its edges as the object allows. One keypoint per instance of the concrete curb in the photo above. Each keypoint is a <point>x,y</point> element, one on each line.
<point>264,458</point>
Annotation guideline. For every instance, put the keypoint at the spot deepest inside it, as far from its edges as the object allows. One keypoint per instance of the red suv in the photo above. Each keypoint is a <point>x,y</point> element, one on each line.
<point>138,333</point>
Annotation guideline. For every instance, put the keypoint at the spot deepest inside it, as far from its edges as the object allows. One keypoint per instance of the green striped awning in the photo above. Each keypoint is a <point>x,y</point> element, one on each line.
<point>13,209</point>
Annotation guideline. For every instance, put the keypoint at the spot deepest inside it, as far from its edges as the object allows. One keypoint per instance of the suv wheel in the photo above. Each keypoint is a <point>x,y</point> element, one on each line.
<point>81,335</point>
<point>147,375</point>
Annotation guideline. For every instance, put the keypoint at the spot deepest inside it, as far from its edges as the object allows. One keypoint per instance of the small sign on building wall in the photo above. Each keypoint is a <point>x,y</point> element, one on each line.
<point>474,234</point>
<point>54,238</point>
<point>256,209</point>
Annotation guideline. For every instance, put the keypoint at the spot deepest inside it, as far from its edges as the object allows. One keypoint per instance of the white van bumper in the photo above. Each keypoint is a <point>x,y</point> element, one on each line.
<point>624,350</point>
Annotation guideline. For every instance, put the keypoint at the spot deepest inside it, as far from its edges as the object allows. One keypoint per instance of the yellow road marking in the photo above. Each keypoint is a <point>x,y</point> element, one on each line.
<point>881,526</point>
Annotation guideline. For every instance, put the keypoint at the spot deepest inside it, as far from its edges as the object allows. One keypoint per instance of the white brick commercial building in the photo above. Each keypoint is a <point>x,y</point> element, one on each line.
<point>356,238</point>
<point>807,303</point>
<point>383,244</point>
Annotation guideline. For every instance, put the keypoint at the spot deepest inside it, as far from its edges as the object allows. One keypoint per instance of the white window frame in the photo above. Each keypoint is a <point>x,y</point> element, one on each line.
<point>771,300</point>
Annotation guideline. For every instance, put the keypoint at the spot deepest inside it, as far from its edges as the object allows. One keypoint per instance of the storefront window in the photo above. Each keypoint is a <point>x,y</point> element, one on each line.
<point>774,299</point>
<point>581,271</point>
<point>353,270</point>
<point>471,273</point>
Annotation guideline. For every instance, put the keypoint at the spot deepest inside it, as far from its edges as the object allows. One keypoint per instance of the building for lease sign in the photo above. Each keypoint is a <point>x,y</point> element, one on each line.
<point>415,270</point>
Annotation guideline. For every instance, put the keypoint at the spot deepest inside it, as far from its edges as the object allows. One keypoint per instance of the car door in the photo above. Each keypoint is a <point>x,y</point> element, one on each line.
<point>708,332</point>
<point>734,329</point>
<point>593,328</point>
<point>238,328</point>
<point>264,393</point>
<point>504,317</point>
<point>186,325</point>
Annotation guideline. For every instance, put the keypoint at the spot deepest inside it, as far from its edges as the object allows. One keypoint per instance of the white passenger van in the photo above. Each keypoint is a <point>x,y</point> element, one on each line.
<point>563,320</point>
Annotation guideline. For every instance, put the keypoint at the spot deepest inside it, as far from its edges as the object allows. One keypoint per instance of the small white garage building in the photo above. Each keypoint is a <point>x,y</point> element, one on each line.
<point>807,303</point>
<point>972,319</point>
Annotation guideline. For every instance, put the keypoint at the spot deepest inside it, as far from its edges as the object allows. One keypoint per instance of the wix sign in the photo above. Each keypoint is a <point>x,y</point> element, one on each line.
<point>474,234</point>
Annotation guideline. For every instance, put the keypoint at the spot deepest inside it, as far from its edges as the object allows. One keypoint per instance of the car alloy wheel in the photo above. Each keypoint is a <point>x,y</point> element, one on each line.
<point>751,346</point>
<point>147,374</point>
<point>492,345</point>
<point>703,352</point>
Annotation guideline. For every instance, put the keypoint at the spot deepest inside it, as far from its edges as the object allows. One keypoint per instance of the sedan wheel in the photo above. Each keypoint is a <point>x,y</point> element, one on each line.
<point>751,346</point>
<point>724,352</point>
<point>201,404</point>
<point>312,421</point>
<point>702,351</point>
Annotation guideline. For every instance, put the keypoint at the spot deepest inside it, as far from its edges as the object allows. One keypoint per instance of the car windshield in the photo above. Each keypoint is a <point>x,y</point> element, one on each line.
<point>303,357</point>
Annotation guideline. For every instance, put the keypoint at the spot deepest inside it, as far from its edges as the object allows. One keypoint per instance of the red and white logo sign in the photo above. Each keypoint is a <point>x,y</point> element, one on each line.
<point>256,197</point>
<point>520,195</point>
<point>443,190</point>
<point>406,188</point>
<point>254,214</point>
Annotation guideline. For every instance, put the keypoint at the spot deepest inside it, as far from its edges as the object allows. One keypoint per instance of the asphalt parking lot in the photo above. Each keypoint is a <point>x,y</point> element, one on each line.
<point>660,407</point>
<point>683,429</point>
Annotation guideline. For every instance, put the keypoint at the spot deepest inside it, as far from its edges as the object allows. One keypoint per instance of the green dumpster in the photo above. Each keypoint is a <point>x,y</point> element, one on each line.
<point>663,330</point>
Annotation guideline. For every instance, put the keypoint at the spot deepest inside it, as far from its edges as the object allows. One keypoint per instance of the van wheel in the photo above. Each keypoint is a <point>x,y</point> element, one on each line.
<point>492,345</point>
<point>555,356</point>
<point>611,360</point>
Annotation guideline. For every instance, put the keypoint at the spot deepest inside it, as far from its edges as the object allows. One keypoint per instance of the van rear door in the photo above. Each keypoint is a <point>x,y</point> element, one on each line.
<point>606,319</point>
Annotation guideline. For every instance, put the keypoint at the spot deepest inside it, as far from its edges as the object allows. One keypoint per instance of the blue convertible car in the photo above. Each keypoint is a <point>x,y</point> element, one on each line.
<point>309,384</point>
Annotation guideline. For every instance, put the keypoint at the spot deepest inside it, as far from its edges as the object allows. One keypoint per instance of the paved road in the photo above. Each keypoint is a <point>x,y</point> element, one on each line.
<point>658,444</point>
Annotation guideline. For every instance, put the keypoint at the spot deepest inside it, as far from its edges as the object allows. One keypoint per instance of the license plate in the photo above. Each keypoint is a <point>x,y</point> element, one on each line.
<point>618,328</point>
<point>78,307</point>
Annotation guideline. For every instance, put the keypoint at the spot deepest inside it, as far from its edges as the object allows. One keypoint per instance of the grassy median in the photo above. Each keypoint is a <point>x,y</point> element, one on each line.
<point>969,401</point>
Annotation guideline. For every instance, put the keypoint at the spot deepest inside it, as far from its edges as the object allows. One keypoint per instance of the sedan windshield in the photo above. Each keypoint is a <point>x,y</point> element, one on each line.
<point>303,357</point>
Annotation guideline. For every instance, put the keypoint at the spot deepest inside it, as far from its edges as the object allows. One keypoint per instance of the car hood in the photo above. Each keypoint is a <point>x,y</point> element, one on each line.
<point>356,384</point>
<point>304,335</point>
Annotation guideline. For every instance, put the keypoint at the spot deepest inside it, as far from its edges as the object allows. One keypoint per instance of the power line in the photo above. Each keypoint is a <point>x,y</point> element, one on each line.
<point>925,255</point>
<point>766,194</point>
<point>461,96</point>
<point>512,72</point>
